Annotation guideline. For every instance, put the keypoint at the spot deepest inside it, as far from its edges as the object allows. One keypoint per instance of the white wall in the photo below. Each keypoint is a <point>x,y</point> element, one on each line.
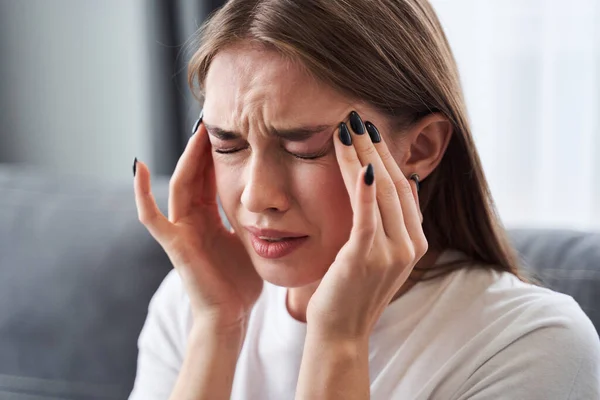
<point>531,74</point>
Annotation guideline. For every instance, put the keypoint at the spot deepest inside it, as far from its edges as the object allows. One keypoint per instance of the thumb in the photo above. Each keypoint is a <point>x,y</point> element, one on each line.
<point>148,212</point>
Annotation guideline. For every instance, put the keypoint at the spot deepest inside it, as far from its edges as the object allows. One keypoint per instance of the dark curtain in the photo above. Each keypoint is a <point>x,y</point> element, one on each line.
<point>172,23</point>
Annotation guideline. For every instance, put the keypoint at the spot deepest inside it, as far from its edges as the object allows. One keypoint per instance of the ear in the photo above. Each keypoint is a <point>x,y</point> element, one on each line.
<point>425,143</point>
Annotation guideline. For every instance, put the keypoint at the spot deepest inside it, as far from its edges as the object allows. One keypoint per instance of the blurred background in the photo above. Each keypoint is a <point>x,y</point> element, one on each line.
<point>87,85</point>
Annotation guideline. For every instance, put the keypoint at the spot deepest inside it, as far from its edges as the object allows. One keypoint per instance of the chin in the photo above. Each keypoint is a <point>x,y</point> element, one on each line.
<point>290,272</point>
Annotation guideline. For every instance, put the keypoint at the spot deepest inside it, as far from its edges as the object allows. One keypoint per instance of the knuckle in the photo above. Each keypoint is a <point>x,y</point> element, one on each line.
<point>385,263</point>
<point>366,231</point>
<point>387,157</point>
<point>368,151</point>
<point>349,157</point>
<point>388,191</point>
<point>370,202</point>
<point>421,246</point>
<point>403,185</point>
<point>405,256</point>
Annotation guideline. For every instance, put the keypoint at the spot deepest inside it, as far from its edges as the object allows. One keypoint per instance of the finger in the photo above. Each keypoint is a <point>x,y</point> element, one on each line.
<point>349,164</point>
<point>408,200</point>
<point>148,212</point>
<point>208,195</point>
<point>418,238</point>
<point>347,159</point>
<point>415,191</point>
<point>365,220</point>
<point>388,199</point>
<point>198,122</point>
<point>187,181</point>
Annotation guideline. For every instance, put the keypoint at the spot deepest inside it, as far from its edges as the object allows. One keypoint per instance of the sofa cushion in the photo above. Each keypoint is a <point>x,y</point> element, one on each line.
<point>77,271</point>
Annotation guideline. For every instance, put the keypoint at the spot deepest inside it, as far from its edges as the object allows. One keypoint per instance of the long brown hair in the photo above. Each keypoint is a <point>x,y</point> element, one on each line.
<point>394,55</point>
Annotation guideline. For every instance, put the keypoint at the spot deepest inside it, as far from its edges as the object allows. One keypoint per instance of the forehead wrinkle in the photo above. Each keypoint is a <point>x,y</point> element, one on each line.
<point>271,92</point>
<point>253,114</point>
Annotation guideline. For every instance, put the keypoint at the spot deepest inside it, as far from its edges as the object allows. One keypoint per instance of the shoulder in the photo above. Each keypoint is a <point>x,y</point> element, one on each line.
<point>556,321</point>
<point>169,316</point>
<point>537,344</point>
<point>170,301</point>
<point>162,341</point>
<point>528,310</point>
<point>170,291</point>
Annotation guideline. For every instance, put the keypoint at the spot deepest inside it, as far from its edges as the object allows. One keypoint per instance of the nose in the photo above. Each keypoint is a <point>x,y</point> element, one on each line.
<point>266,186</point>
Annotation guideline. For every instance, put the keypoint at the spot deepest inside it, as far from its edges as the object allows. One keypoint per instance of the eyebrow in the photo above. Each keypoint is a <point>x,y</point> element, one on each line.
<point>298,134</point>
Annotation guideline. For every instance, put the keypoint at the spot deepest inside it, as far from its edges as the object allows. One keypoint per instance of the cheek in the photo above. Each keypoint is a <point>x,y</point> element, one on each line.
<point>324,201</point>
<point>229,186</point>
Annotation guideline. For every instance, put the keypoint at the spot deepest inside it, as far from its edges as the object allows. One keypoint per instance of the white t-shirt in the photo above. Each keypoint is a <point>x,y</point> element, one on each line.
<point>473,334</point>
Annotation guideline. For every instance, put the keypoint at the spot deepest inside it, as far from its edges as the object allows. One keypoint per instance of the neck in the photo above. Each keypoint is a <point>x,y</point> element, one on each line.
<point>297,298</point>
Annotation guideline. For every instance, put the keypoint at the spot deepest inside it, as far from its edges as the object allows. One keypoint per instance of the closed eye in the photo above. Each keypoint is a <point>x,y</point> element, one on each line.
<point>300,156</point>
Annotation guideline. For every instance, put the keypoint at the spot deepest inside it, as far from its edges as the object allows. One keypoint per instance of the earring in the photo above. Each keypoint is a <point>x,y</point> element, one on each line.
<point>415,177</point>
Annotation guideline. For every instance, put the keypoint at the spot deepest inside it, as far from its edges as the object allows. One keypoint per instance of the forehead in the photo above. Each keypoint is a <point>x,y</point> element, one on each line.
<point>245,82</point>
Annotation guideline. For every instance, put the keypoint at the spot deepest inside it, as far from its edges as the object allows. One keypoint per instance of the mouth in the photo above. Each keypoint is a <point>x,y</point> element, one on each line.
<point>274,240</point>
<point>278,248</point>
<point>272,244</point>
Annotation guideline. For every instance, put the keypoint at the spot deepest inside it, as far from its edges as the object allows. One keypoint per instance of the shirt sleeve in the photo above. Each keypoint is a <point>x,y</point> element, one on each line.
<point>161,344</point>
<point>557,358</point>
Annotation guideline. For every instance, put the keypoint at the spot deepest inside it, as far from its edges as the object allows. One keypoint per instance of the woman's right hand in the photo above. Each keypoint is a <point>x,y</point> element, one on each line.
<point>214,266</point>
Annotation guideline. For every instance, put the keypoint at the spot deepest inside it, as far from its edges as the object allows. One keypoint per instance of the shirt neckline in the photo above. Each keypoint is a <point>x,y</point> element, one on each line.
<point>401,310</point>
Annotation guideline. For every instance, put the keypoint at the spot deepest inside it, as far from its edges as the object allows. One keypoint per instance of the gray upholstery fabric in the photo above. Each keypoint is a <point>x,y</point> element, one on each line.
<point>77,271</point>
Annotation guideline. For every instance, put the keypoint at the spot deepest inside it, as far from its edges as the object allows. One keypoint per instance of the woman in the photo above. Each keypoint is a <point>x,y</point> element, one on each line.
<point>365,258</point>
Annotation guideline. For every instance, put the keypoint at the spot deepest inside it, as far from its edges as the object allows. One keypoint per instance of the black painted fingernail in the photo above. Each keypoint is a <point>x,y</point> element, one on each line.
<point>373,132</point>
<point>134,166</point>
<point>356,123</point>
<point>198,122</point>
<point>345,134</point>
<point>369,175</point>
<point>196,125</point>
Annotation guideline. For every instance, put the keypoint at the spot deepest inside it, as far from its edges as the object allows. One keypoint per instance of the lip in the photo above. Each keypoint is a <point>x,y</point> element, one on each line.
<point>274,250</point>
<point>272,233</point>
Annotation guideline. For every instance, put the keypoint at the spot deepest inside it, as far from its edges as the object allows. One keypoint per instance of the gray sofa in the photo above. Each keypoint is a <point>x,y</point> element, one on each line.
<point>77,271</point>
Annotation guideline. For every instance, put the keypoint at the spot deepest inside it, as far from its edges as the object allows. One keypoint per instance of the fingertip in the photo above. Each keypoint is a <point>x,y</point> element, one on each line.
<point>366,184</point>
<point>337,141</point>
<point>198,122</point>
<point>142,177</point>
<point>148,212</point>
<point>369,175</point>
<point>135,160</point>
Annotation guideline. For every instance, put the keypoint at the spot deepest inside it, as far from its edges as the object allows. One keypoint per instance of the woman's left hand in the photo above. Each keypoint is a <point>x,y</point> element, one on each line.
<point>385,243</point>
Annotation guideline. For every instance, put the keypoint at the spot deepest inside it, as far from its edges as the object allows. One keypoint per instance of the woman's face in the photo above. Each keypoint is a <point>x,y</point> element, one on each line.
<point>281,172</point>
